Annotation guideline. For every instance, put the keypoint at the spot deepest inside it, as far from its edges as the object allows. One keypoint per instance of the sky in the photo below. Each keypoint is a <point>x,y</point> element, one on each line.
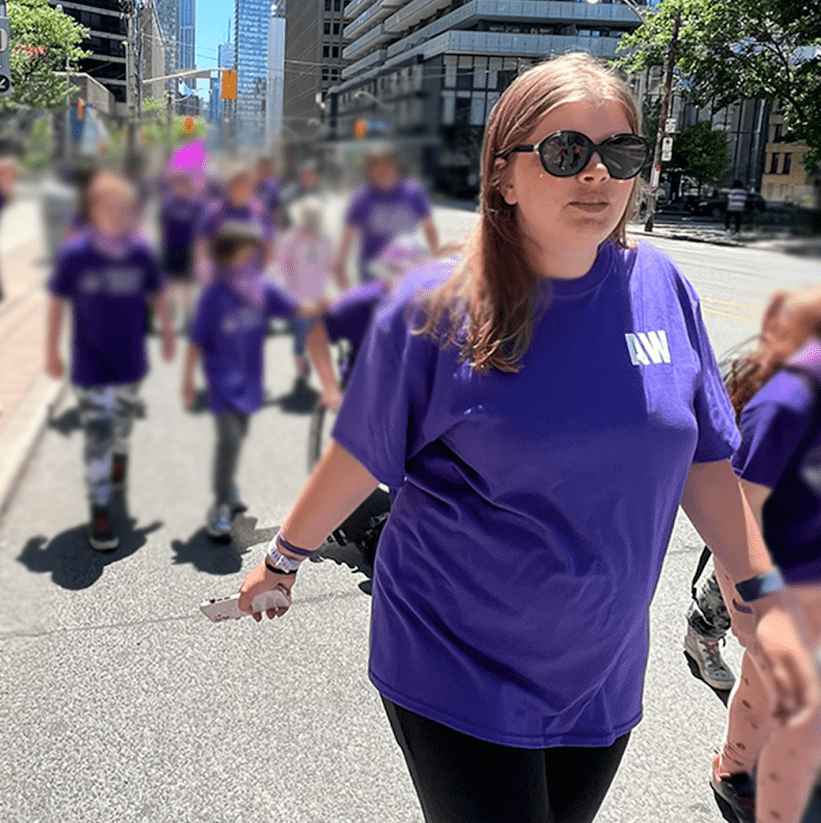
<point>212,18</point>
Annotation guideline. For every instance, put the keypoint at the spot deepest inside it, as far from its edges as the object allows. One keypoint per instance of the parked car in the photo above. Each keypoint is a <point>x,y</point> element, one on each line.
<point>716,206</point>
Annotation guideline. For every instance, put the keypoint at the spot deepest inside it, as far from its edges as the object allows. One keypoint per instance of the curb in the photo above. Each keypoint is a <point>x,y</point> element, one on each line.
<point>23,435</point>
<point>717,241</point>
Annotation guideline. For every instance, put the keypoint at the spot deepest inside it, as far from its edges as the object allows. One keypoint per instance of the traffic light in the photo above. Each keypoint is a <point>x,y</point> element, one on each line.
<point>188,125</point>
<point>360,129</point>
<point>81,109</point>
<point>228,89</point>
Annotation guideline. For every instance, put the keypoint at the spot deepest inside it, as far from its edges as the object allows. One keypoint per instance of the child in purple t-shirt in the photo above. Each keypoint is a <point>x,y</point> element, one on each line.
<point>106,273</point>
<point>387,206</point>
<point>238,203</point>
<point>777,390</point>
<point>228,335</point>
<point>180,215</point>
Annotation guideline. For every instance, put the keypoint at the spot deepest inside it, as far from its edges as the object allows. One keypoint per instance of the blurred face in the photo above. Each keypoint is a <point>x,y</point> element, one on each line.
<point>244,254</point>
<point>383,173</point>
<point>112,213</point>
<point>265,169</point>
<point>579,211</point>
<point>308,179</point>
<point>182,186</point>
<point>241,190</point>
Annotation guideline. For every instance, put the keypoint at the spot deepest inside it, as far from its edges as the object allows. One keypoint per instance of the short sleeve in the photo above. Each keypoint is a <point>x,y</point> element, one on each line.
<point>420,202</point>
<point>206,316</point>
<point>63,280</point>
<point>772,427</point>
<point>383,413</point>
<point>279,304</point>
<point>349,317</point>
<point>357,212</point>
<point>718,436</point>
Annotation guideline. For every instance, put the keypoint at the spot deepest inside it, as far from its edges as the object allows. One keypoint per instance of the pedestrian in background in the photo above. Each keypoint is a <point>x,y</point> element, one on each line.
<point>228,335</point>
<point>306,259</point>
<point>736,202</point>
<point>386,206</point>
<point>269,189</point>
<point>512,584</point>
<point>105,275</point>
<point>766,769</point>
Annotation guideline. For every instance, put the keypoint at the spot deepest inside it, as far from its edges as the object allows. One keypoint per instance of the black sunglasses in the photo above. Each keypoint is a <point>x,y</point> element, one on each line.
<point>566,153</point>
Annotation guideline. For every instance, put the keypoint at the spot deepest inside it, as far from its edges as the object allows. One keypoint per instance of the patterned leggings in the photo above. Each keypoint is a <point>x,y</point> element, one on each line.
<point>107,414</point>
<point>788,757</point>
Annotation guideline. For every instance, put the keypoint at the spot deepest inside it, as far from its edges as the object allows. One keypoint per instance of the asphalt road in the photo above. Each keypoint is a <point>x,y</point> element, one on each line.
<point>120,702</point>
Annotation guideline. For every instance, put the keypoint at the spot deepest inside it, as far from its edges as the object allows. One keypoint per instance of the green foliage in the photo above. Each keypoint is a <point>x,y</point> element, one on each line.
<point>743,49</point>
<point>156,129</point>
<point>39,145</point>
<point>701,153</point>
<point>43,42</point>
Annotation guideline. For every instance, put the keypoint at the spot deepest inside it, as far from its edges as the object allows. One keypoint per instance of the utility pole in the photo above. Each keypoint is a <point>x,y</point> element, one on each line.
<point>655,173</point>
<point>127,7</point>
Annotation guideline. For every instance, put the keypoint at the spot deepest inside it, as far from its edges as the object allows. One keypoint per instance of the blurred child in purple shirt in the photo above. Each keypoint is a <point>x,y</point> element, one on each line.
<point>387,206</point>
<point>228,335</point>
<point>106,273</point>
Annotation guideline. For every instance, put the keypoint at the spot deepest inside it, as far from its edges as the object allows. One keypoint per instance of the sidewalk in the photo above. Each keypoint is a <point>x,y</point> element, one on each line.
<point>27,394</point>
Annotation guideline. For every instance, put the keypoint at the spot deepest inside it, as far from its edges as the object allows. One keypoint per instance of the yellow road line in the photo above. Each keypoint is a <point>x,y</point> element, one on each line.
<point>742,306</point>
<point>737,317</point>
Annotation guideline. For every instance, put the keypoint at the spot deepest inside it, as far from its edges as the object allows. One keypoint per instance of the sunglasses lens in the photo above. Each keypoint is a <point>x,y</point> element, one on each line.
<point>624,155</point>
<point>565,153</point>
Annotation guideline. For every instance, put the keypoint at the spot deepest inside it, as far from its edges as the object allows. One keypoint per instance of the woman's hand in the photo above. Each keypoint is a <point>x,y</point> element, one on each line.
<point>261,580</point>
<point>332,398</point>
<point>796,679</point>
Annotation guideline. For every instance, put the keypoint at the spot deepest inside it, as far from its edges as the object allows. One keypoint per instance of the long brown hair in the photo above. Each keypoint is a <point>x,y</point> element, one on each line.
<point>488,304</point>
<point>791,319</point>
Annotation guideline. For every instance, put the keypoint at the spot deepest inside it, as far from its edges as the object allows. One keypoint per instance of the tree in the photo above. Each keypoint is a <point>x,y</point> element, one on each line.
<point>701,153</point>
<point>158,130</point>
<point>43,41</point>
<point>744,49</point>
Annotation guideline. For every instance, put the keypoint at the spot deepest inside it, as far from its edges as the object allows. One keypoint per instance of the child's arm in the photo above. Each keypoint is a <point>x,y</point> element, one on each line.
<point>337,486</point>
<point>431,235</point>
<point>162,310</point>
<point>189,389</point>
<point>54,324</point>
<point>319,350</point>
<point>345,246</point>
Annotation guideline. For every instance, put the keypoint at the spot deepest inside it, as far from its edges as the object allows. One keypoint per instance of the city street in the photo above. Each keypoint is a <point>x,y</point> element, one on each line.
<point>120,701</point>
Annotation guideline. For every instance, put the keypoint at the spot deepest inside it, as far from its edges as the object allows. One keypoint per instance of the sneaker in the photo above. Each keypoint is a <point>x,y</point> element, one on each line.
<point>703,651</point>
<point>236,502</point>
<point>735,794</point>
<point>119,471</point>
<point>101,534</point>
<point>219,522</point>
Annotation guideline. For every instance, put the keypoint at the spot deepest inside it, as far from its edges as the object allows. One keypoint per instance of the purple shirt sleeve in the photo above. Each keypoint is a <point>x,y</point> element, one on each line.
<point>279,304</point>
<point>772,426</point>
<point>205,318</point>
<point>357,212</point>
<point>63,278</point>
<point>418,199</point>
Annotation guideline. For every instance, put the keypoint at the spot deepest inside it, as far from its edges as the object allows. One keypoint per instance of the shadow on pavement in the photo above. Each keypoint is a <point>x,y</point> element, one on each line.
<point>722,694</point>
<point>302,401</point>
<point>349,555</point>
<point>68,421</point>
<point>73,564</point>
<point>220,558</point>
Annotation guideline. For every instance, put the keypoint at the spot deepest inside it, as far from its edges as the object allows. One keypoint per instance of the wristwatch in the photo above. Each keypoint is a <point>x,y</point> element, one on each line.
<point>277,562</point>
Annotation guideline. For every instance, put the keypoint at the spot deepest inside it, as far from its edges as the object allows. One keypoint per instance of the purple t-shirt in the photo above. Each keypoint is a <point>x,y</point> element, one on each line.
<point>108,296</point>
<point>348,318</point>
<point>773,425</point>
<point>218,212</point>
<point>382,216</point>
<point>179,219</point>
<point>270,193</point>
<point>515,573</point>
<point>231,335</point>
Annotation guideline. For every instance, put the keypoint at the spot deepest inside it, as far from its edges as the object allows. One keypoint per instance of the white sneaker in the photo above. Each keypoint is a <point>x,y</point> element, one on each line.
<point>218,524</point>
<point>704,652</point>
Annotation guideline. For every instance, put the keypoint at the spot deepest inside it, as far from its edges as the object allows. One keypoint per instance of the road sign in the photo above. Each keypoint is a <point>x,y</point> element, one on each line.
<point>666,149</point>
<point>5,69</point>
<point>670,125</point>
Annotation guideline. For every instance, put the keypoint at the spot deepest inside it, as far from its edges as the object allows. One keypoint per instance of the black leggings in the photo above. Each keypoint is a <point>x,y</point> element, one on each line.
<point>460,779</point>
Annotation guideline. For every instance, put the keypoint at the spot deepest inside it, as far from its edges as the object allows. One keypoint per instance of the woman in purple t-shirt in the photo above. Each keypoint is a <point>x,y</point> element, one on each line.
<point>543,413</point>
<point>777,391</point>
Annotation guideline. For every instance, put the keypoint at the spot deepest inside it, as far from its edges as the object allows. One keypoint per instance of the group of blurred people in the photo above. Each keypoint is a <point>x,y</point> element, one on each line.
<point>236,249</point>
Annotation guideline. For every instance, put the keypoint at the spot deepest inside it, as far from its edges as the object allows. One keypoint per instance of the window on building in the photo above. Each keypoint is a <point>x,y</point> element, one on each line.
<point>463,107</point>
<point>480,73</point>
<point>477,109</point>
<point>334,74</point>
<point>327,5</point>
<point>450,71</point>
<point>448,107</point>
<point>785,169</point>
<point>326,51</point>
<point>337,5</point>
<point>335,51</point>
<point>774,163</point>
<point>327,27</point>
<point>336,28</point>
<point>325,74</point>
<point>779,133</point>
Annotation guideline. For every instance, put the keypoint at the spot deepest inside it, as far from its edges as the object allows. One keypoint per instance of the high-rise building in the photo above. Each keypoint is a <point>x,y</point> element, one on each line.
<point>250,58</point>
<point>314,44</point>
<point>186,58</point>
<point>276,74</point>
<point>168,14</point>
<point>107,35</point>
<point>225,53</point>
<point>428,72</point>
